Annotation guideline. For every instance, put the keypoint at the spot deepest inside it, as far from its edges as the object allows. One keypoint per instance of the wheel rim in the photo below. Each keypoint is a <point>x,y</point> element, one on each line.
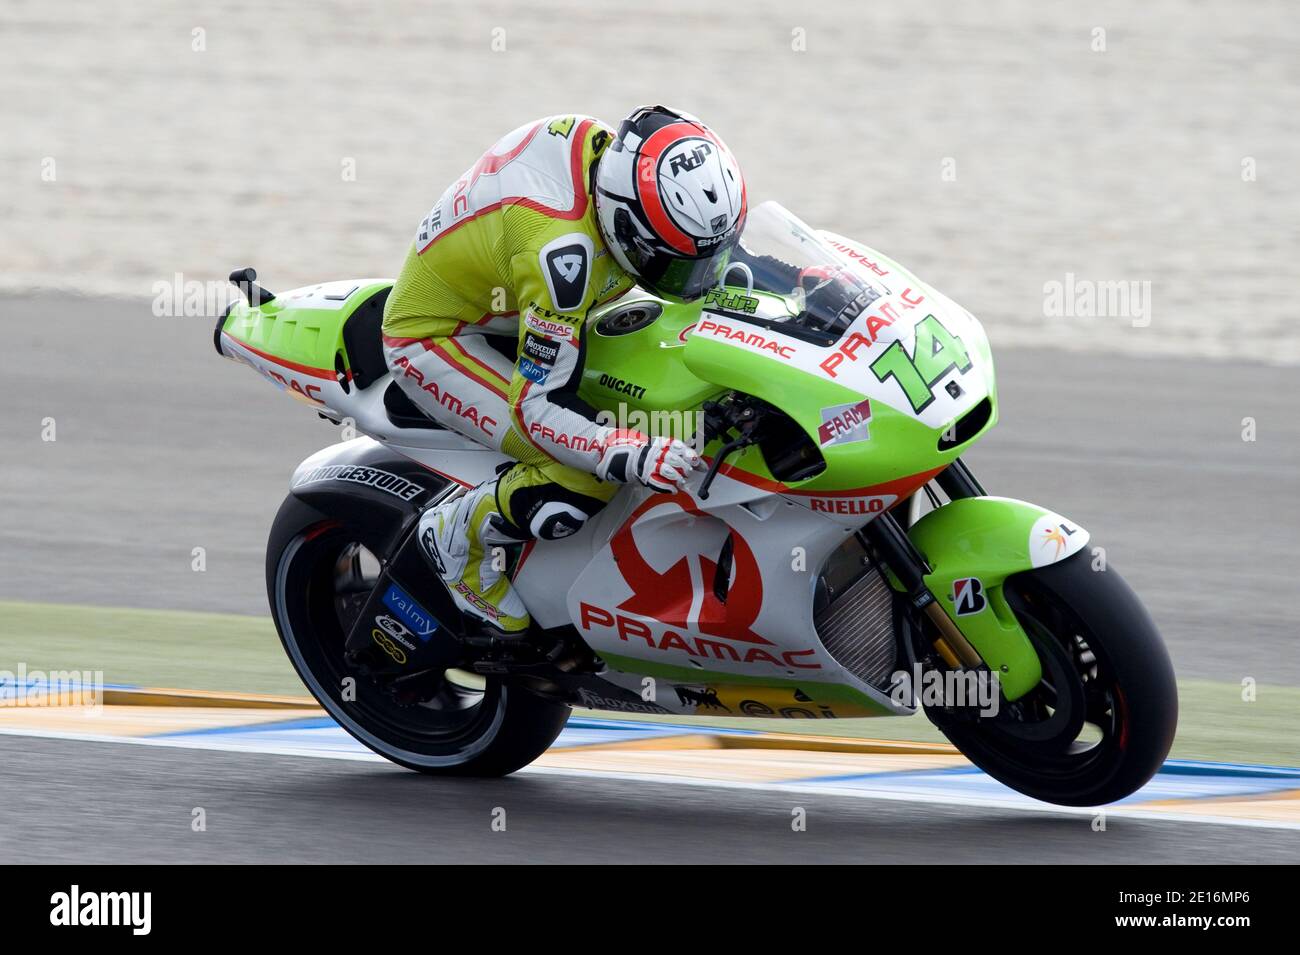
<point>1075,716</point>
<point>323,581</point>
<point>1075,721</point>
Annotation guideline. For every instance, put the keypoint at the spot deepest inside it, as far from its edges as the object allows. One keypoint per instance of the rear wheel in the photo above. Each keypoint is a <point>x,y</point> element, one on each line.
<point>319,575</point>
<point>1102,720</point>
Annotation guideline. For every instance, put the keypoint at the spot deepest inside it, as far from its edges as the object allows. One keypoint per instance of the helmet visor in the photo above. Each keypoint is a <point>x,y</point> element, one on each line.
<point>669,274</point>
<point>685,280</point>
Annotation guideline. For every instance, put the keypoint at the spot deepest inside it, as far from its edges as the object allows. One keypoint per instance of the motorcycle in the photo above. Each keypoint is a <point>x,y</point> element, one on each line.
<point>838,559</point>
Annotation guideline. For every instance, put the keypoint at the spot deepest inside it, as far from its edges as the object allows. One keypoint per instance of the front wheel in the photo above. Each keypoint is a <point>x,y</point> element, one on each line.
<point>1102,720</point>
<point>319,574</point>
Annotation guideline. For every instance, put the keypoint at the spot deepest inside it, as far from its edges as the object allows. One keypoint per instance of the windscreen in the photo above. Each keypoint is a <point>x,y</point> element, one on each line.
<point>781,254</point>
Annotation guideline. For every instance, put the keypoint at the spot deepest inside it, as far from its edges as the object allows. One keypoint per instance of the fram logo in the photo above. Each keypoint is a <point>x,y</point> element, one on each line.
<point>845,424</point>
<point>968,596</point>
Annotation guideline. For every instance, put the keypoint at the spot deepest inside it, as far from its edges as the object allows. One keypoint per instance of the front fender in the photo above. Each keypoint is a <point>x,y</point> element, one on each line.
<point>973,545</point>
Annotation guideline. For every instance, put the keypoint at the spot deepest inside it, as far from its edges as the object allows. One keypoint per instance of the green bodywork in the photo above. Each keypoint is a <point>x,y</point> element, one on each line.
<point>987,538</point>
<point>676,377</point>
<point>661,371</point>
<point>649,359</point>
<point>294,331</point>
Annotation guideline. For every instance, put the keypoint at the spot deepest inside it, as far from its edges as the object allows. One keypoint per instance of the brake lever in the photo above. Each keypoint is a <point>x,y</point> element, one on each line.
<point>719,418</point>
<point>732,446</point>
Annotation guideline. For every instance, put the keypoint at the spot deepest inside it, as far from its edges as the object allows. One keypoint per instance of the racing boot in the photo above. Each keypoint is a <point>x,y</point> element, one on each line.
<point>465,538</point>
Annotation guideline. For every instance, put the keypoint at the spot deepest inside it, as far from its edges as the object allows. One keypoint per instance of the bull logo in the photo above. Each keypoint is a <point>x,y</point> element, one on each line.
<point>707,698</point>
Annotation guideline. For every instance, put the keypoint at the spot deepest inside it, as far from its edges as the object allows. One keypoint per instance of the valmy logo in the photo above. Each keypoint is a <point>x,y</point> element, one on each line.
<point>968,596</point>
<point>420,621</point>
<point>1053,538</point>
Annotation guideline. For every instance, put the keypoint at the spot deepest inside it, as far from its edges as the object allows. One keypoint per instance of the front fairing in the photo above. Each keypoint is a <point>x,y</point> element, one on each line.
<point>758,336</point>
<point>872,432</point>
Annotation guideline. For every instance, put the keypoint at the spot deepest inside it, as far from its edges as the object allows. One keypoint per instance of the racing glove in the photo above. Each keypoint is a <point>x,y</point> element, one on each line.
<point>661,464</point>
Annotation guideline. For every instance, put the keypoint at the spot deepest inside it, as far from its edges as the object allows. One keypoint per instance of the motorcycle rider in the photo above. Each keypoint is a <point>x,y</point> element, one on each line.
<point>560,216</point>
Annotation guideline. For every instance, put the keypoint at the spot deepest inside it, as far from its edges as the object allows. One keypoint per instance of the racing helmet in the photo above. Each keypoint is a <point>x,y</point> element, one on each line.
<point>670,202</point>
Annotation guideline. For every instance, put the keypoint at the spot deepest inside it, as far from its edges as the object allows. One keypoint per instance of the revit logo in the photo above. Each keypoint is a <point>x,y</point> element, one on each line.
<point>421,622</point>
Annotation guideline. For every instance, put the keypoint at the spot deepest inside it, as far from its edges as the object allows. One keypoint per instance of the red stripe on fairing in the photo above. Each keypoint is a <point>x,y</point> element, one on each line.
<point>579,189</point>
<point>309,370</point>
<point>899,486</point>
<point>449,477</point>
<point>441,353</point>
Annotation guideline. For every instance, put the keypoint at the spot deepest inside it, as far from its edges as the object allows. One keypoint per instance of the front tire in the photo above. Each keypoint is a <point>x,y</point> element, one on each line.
<point>319,573</point>
<point>1101,722</point>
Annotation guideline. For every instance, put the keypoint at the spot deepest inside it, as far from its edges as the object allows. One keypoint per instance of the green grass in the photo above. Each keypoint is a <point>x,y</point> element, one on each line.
<point>212,651</point>
<point>168,648</point>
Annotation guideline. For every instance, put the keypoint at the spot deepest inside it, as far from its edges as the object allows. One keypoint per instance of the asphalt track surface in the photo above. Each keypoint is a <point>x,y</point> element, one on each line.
<point>71,801</point>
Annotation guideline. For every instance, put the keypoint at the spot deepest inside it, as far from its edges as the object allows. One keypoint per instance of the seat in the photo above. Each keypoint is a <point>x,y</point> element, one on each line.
<point>402,411</point>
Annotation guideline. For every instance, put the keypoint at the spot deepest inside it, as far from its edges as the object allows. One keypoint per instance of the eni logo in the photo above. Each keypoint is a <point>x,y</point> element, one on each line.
<point>392,649</point>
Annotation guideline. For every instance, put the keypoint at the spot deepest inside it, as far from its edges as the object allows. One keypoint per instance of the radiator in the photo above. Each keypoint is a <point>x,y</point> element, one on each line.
<point>857,629</point>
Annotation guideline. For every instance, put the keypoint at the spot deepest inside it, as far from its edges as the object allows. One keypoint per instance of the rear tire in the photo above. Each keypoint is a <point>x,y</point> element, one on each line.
<point>315,576</point>
<point>1105,670</point>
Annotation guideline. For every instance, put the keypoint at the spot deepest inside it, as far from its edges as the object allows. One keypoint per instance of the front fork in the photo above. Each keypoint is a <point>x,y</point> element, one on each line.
<point>888,538</point>
<point>954,564</point>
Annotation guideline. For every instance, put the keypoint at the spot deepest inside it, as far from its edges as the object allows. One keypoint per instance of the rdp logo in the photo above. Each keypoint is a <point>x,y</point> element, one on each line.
<point>691,159</point>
